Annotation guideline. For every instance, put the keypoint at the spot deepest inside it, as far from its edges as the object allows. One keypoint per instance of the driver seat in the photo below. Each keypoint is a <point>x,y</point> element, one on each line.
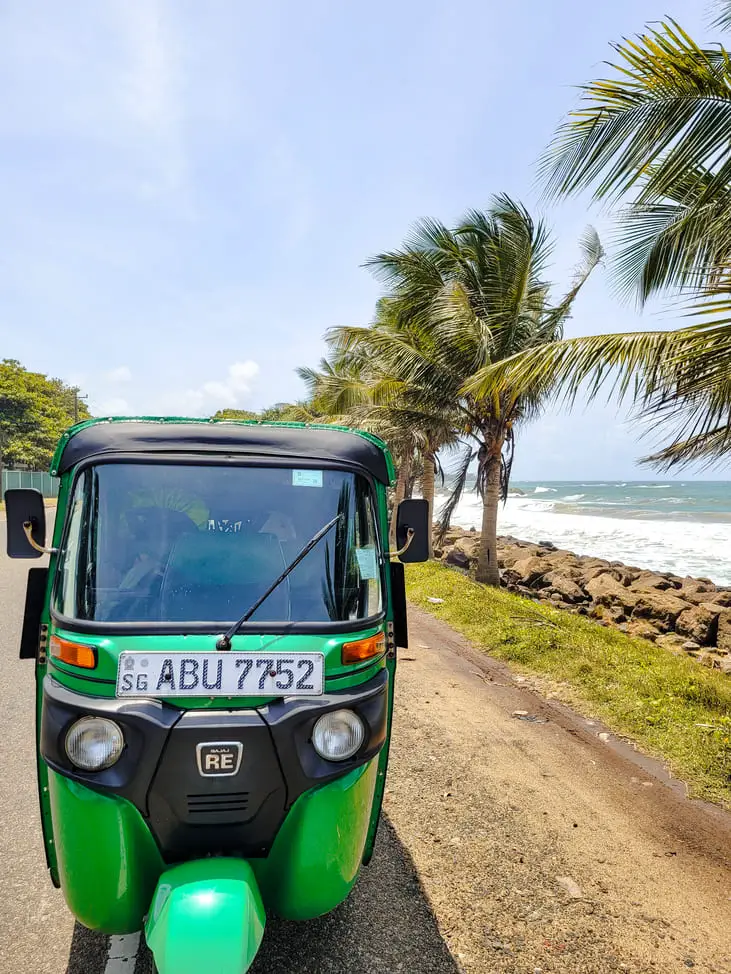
<point>215,577</point>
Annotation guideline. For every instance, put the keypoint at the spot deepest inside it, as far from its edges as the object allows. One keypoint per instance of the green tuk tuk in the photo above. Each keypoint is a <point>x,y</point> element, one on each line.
<point>215,640</point>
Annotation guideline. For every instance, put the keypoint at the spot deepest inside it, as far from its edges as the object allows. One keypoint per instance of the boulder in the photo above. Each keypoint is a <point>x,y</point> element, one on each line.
<point>651,582</point>
<point>692,586</point>
<point>566,588</point>
<point>468,546</point>
<point>671,641</point>
<point>508,557</point>
<point>690,646</point>
<point>699,623</point>
<point>452,535</point>
<point>587,562</point>
<point>528,571</point>
<point>723,637</point>
<point>663,609</point>
<point>527,593</point>
<point>604,589</point>
<point>565,564</point>
<point>456,559</point>
<point>642,629</point>
<point>696,598</point>
<point>721,598</point>
<point>587,574</point>
<point>617,614</point>
<point>724,665</point>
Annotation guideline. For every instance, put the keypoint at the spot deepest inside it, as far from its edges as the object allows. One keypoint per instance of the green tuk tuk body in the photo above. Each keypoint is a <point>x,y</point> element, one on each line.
<point>194,773</point>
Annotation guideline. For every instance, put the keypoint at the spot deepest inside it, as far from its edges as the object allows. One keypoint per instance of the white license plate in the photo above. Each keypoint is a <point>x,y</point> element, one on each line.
<point>220,674</point>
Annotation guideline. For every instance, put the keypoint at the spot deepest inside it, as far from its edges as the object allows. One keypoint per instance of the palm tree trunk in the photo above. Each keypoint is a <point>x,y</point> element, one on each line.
<point>487,566</point>
<point>427,492</point>
<point>411,482</point>
<point>402,480</point>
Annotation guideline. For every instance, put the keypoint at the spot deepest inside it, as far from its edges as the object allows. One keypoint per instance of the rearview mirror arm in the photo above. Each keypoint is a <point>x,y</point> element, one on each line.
<point>410,535</point>
<point>28,529</point>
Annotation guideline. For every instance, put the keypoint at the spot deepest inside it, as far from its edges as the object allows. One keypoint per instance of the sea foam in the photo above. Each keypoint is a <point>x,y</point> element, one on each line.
<point>696,548</point>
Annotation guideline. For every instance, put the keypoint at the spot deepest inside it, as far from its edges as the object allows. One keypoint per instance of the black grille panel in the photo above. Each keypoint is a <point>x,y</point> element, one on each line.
<point>234,801</point>
<point>239,814</point>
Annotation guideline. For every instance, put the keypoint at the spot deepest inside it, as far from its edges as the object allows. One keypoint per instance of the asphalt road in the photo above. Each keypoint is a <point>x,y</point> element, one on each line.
<point>385,926</point>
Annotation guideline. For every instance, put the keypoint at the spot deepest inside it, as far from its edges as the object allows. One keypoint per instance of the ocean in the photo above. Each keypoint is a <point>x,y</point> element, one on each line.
<point>676,526</point>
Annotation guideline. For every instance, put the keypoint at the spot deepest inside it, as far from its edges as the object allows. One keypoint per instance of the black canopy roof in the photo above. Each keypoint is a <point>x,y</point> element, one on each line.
<point>101,439</point>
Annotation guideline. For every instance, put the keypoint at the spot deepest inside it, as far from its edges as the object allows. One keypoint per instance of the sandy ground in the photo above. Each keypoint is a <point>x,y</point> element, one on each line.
<point>540,846</point>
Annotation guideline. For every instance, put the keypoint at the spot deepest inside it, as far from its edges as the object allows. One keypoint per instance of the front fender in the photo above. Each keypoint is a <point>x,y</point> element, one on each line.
<point>206,915</point>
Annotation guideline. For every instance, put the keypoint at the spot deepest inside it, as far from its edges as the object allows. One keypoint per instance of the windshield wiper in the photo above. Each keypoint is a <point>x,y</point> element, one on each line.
<point>224,641</point>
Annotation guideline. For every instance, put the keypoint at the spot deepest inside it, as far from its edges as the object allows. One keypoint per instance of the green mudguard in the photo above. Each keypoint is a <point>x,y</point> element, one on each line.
<point>206,915</point>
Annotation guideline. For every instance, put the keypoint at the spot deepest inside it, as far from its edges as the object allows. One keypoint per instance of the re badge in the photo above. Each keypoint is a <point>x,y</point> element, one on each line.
<point>219,758</point>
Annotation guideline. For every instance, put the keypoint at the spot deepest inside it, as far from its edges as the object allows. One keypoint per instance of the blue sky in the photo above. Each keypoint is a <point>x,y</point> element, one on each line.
<point>189,189</point>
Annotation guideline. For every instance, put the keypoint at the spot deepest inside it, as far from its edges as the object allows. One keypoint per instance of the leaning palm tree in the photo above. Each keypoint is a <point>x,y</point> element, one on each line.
<point>457,301</point>
<point>354,389</point>
<point>656,138</point>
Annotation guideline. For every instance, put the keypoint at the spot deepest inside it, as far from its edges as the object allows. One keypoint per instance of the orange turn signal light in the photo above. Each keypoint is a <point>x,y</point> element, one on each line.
<point>75,654</point>
<point>364,649</point>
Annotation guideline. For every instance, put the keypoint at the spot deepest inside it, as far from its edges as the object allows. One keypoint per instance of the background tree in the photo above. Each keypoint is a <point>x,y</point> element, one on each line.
<point>352,389</point>
<point>34,412</point>
<point>240,414</point>
<point>459,300</point>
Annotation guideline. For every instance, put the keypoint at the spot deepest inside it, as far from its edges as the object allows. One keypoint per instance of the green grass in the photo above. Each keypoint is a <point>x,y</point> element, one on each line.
<point>639,690</point>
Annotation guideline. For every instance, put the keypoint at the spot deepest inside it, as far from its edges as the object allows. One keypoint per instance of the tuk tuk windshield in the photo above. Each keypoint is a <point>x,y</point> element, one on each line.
<point>170,542</point>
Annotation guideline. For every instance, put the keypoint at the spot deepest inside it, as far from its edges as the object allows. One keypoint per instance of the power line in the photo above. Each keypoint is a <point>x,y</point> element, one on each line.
<point>77,397</point>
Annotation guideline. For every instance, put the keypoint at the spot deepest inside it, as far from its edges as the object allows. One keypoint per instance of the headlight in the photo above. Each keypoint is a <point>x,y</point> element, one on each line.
<point>338,735</point>
<point>94,743</point>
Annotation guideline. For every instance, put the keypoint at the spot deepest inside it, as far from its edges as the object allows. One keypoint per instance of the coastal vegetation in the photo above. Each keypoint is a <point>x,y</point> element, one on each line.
<point>653,141</point>
<point>670,706</point>
<point>34,411</point>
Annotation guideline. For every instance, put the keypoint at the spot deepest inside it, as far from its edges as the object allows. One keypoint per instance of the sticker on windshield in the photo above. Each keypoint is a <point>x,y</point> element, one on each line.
<point>307,478</point>
<point>367,562</point>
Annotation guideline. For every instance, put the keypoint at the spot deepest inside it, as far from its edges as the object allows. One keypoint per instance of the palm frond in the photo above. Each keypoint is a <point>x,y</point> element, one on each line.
<point>666,110</point>
<point>723,18</point>
<point>592,255</point>
<point>682,243</point>
<point>706,450</point>
<point>678,380</point>
<point>460,480</point>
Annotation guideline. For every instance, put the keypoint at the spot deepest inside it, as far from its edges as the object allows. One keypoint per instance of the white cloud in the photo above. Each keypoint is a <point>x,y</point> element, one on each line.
<point>229,392</point>
<point>115,407</point>
<point>120,374</point>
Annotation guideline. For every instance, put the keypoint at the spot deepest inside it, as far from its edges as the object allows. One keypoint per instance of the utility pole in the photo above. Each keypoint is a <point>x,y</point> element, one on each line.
<point>77,397</point>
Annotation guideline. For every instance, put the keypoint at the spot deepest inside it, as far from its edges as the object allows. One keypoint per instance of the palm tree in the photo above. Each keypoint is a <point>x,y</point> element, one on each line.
<point>459,300</point>
<point>657,137</point>
<point>352,388</point>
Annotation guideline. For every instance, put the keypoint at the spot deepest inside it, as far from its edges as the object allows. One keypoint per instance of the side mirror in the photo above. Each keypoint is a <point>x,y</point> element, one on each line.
<point>25,506</point>
<point>412,516</point>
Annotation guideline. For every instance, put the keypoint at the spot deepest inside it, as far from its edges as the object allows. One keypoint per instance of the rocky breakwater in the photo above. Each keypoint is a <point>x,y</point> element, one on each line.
<point>688,615</point>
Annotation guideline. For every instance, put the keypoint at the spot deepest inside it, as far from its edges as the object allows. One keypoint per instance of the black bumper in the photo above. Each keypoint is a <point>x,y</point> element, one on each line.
<point>191,814</point>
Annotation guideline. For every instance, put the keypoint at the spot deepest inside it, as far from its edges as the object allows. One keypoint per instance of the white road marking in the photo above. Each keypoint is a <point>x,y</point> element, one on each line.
<point>122,955</point>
